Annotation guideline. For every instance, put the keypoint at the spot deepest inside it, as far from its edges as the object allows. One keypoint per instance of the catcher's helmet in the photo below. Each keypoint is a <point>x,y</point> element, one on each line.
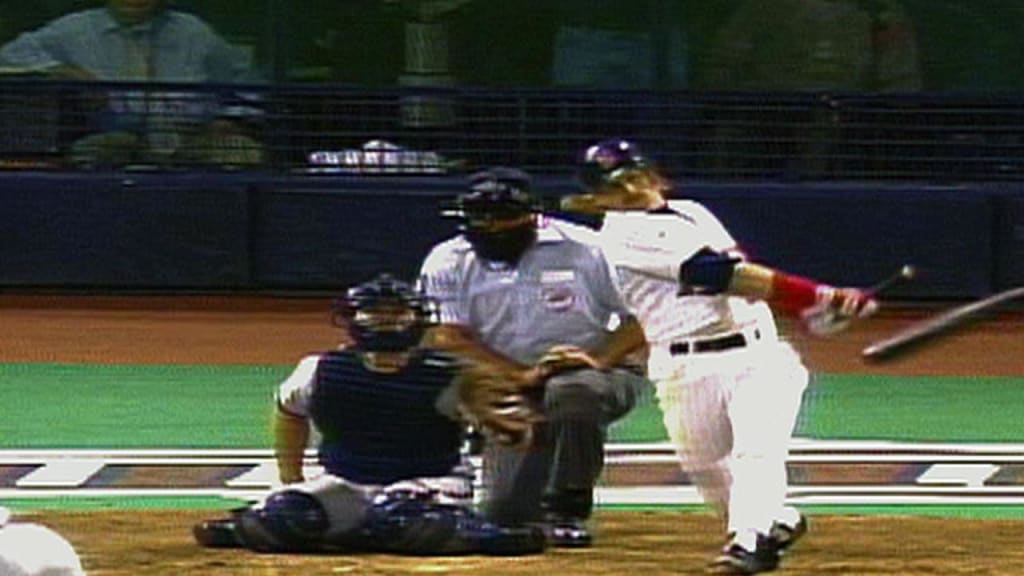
<point>603,160</point>
<point>384,314</point>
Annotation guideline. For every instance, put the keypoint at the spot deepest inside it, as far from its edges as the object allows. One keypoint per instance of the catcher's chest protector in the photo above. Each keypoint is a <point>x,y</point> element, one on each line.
<point>380,428</point>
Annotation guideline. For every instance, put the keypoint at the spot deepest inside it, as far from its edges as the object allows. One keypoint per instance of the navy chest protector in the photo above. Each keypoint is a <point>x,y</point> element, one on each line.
<point>381,428</point>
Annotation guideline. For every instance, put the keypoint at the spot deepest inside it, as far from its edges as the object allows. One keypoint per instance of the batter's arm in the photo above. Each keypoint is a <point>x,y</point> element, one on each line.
<point>792,295</point>
<point>823,308</point>
<point>291,435</point>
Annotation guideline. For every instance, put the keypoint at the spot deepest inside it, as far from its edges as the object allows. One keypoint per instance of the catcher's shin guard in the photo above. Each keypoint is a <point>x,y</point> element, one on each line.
<point>289,521</point>
<point>218,533</point>
<point>414,524</point>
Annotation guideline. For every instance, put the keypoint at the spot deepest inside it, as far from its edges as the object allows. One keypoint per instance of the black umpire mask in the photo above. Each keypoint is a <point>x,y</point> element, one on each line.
<point>503,246</point>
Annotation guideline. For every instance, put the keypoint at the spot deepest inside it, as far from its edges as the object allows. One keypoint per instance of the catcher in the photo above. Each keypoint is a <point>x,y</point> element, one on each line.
<point>390,418</point>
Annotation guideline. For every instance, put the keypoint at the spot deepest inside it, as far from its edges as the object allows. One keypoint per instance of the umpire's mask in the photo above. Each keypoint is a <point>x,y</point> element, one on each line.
<point>497,214</point>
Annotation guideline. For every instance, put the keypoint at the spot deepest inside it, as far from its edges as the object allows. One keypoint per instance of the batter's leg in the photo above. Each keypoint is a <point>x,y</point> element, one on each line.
<point>763,410</point>
<point>693,407</point>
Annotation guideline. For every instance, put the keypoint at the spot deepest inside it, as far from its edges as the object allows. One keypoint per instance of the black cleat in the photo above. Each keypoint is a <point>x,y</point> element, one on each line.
<point>736,559</point>
<point>784,536</point>
<point>568,533</point>
<point>216,534</point>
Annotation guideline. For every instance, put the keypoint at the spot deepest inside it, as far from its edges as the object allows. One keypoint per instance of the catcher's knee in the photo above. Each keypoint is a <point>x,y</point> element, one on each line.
<point>414,524</point>
<point>288,521</point>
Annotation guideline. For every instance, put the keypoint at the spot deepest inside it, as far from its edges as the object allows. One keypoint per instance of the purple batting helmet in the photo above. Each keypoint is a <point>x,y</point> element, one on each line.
<point>601,161</point>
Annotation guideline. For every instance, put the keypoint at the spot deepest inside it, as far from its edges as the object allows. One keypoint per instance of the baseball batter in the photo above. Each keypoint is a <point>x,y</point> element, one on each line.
<point>728,387</point>
<point>391,434</point>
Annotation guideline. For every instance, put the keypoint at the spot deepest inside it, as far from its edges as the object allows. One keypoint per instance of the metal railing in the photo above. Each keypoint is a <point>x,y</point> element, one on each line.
<point>345,129</point>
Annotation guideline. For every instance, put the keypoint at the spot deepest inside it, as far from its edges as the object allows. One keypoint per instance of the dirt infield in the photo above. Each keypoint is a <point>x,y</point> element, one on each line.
<point>215,330</point>
<point>251,330</point>
<point>652,543</point>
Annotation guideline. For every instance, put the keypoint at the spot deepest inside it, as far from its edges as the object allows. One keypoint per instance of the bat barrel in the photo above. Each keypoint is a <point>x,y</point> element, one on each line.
<point>933,326</point>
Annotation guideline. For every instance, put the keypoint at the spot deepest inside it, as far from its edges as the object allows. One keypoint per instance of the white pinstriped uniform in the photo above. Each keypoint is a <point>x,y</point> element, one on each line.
<point>729,413</point>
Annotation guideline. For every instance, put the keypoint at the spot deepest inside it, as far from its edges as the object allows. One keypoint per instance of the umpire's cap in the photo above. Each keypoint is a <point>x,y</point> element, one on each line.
<point>497,192</point>
<point>601,161</point>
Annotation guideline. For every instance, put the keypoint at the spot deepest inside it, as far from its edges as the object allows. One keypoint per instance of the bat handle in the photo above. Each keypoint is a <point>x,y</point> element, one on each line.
<point>907,272</point>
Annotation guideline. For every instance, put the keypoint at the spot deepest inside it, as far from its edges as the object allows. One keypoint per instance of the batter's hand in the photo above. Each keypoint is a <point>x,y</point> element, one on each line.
<point>836,309</point>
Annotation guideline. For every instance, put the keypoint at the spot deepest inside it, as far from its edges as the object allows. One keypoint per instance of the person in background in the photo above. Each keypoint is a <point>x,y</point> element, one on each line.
<point>802,46</point>
<point>147,41</point>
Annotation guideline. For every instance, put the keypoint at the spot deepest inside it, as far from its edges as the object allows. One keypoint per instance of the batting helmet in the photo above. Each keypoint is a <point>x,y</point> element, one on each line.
<point>384,314</point>
<point>605,159</point>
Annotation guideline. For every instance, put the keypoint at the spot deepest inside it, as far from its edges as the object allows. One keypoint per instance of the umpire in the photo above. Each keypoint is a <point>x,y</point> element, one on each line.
<point>537,308</point>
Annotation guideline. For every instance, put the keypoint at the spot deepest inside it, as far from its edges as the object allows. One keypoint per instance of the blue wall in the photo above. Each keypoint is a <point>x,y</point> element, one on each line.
<point>252,232</point>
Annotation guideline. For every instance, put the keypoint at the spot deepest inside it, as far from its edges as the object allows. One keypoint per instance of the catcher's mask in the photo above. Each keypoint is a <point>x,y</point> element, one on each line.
<point>384,315</point>
<point>496,214</point>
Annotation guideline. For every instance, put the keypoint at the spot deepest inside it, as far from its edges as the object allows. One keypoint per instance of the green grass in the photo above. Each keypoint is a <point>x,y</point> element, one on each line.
<point>144,503</point>
<point>86,406</point>
<point>127,406</point>
<point>946,409</point>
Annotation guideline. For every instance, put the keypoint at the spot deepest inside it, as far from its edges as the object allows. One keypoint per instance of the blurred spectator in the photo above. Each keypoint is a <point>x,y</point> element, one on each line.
<point>138,41</point>
<point>610,44</point>
<point>826,46</point>
<point>968,45</point>
<point>810,45</point>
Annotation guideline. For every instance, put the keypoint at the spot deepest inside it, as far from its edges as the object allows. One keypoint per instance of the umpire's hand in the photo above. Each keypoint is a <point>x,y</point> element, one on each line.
<point>566,357</point>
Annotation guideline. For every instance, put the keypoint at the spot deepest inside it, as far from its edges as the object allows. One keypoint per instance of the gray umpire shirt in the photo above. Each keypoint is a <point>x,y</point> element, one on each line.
<point>560,292</point>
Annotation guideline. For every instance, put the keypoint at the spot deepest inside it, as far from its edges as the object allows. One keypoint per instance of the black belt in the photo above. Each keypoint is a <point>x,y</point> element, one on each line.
<point>709,345</point>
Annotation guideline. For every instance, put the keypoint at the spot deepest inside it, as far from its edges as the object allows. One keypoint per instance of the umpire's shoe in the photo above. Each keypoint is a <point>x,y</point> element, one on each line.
<point>217,534</point>
<point>564,532</point>
<point>735,559</point>
<point>565,514</point>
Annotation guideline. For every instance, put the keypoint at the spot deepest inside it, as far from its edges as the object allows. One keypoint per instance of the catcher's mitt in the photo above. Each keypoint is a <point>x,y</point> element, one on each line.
<point>492,401</point>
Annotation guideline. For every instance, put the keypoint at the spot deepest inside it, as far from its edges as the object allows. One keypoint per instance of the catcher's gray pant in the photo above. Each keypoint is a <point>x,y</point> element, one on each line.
<point>346,503</point>
<point>568,452</point>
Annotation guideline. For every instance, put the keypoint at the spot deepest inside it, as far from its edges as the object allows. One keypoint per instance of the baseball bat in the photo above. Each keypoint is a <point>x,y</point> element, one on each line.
<point>907,272</point>
<point>937,324</point>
